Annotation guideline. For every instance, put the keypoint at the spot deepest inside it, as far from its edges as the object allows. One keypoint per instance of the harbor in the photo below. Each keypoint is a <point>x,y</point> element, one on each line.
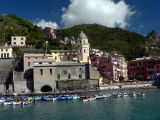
<point>115,105</point>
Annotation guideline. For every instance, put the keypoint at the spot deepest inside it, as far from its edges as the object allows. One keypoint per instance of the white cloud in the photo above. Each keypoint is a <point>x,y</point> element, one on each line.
<point>43,23</point>
<point>104,12</point>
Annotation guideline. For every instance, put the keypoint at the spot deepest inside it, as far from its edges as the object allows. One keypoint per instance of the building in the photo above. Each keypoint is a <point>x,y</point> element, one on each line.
<point>113,67</point>
<point>59,75</point>
<point>18,40</point>
<point>51,33</point>
<point>144,68</point>
<point>83,48</point>
<point>62,55</point>
<point>28,59</point>
<point>6,52</point>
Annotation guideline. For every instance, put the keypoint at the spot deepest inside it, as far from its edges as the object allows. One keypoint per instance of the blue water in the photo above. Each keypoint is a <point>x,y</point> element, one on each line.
<point>140,108</point>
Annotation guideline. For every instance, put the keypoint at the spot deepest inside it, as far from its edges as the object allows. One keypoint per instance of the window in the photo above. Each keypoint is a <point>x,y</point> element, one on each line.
<point>84,41</point>
<point>84,50</point>
<point>80,76</point>
<point>14,43</point>
<point>29,63</point>
<point>50,62</point>
<point>2,55</point>
<point>50,70</point>
<point>22,38</point>
<point>28,57</point>
<point>14,38</point>
<point>69,76</point>
<point>6,49</point>
<point>68,58</point>
<point>35,57</point>
<point>7,55</point>
<point>21,43</point>
<point>1,49</point>
<point>41,71</point>
<point>55,57</point>
<point>58,76</point>
<point>40,62</point>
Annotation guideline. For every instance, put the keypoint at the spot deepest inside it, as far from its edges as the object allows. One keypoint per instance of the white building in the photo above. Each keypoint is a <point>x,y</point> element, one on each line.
<point>6,52</point>
<point>18,40</point>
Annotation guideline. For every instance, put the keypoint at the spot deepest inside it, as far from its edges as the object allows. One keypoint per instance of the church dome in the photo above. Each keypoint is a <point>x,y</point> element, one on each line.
<point>82,35</point>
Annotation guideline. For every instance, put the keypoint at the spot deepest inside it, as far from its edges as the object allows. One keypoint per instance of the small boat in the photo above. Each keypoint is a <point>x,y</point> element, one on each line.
<point>26,102</point>
<point>54,98</point>
<point>17,102</point>
<point>75,97</point>
<point>100,96</point>
<point>2,100</point>
<point>37,98</point>
<point>69,97</point>
<point>125,95</point>
<point>61,98</point>
<point>119,95</point>
<point>8,103</point>
<point>91,98</point>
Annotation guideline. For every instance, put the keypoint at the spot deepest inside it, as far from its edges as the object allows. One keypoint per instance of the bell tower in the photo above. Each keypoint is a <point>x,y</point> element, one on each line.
<point>83,48</point>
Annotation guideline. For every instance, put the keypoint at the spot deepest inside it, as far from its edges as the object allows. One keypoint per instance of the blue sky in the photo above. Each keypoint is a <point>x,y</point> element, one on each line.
<point>145,14</point>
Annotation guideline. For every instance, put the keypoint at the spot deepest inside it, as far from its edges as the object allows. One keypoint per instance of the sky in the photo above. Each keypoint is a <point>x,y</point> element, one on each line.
<point>141,16</point>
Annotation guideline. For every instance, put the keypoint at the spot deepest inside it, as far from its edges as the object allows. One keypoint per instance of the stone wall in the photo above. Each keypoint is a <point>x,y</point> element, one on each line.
<point>73,85</point>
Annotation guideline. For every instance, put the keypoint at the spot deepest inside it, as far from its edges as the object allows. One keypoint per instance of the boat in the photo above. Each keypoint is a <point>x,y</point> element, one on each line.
<point>8,103</point>
<point>69,97</point>
<point>54,98</point>
<point>61,98</point>
<point>75,97</point>
<point>17,102</point>
<point>90,98</point>
<point>26,102</point>
<point>125,95</point>
<point>2,100</point>
<point>100,96</point>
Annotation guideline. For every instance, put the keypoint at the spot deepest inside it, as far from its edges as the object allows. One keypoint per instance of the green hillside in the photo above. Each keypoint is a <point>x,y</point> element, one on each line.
<point>11,25</point>
<point>130,44</point>
<point>108,39</point>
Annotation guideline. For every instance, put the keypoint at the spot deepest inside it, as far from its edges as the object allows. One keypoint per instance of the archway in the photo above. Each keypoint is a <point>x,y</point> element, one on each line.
<point>46,88</point>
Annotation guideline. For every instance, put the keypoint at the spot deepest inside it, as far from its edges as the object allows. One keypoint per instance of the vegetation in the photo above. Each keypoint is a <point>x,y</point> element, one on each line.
<point>130,44</point>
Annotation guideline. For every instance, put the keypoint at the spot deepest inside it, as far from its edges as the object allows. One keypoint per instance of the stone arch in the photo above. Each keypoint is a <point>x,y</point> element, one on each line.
<point>46,88</point>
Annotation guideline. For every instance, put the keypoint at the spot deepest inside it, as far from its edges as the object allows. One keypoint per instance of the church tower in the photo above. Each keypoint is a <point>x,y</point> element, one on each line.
<point>83,48</point>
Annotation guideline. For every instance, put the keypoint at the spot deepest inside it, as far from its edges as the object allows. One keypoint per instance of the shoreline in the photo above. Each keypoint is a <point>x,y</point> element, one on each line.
<point>78,91</point>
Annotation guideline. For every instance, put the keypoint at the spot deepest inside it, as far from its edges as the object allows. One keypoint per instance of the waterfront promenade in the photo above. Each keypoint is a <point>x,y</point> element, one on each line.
<point>115,86</point>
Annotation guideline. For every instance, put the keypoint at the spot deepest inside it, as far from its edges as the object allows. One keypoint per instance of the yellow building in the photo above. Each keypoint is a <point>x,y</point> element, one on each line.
<point>62,55</point>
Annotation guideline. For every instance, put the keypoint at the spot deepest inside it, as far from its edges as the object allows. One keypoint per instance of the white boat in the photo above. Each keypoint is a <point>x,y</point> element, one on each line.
<point>26,102</point>
<point>75,97</point>
<point>2,100</point>
<point>54,99</point>
<point>119,95</point>
<point>8,103</point>
<point>17,102</point>
<point>125,95</point>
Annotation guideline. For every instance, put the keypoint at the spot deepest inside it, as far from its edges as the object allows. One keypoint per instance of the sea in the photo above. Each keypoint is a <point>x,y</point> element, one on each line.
<point>129,108</point>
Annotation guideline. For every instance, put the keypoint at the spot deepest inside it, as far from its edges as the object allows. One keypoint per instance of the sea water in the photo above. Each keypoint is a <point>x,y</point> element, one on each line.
<point>140,108</point>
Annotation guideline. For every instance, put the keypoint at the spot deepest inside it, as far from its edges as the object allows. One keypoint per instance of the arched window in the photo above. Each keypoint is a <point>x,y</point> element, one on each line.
<point>58,76</point>
<point>84,50</point>
<point>69,76</point>
<point>83,41</point>
<point>55,57</point>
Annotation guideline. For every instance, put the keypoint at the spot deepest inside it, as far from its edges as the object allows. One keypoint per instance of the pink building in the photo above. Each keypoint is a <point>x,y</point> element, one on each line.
<point>30,58</point>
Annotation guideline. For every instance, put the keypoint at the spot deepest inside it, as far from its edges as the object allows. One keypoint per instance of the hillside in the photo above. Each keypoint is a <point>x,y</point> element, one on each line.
<point>11,25</point>
<point>130,44</point>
